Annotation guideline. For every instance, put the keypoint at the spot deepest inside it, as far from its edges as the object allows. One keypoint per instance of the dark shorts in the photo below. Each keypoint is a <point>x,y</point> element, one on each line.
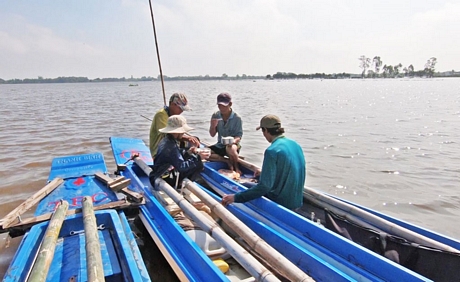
<point>220,149</point>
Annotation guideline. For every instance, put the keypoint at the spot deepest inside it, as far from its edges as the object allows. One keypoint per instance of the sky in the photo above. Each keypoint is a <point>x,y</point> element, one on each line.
<point>100,39</point>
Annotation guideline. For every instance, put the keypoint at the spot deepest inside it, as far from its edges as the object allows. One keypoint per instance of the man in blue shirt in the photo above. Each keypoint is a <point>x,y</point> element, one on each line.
<point>226,123</point>
<point>283,174</point>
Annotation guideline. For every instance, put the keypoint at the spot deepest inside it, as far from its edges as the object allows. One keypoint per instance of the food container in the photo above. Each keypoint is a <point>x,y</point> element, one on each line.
<point>228,140</point>
<point>204,150</point>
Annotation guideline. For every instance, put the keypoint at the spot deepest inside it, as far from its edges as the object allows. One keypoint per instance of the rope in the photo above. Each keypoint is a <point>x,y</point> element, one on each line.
<point>158,52</point>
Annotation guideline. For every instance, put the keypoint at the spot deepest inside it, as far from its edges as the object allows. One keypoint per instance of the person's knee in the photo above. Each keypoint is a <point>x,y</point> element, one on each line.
<point>232,152</point>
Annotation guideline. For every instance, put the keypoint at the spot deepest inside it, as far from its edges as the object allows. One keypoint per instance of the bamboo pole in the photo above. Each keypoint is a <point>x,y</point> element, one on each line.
<point>94,266</point>
<point>46,251</point>
<point>359,215</point>
<point>257,244</point>
<point>158,51</point>
<point>246,260</point>
<point>15,214</point>
<point>28,222</point>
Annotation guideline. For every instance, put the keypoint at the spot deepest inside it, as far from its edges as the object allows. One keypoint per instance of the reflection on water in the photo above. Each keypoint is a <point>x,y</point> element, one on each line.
<point>391,145</point>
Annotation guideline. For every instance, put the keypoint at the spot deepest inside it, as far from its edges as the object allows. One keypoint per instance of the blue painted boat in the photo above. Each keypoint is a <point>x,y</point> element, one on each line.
<point>316,250</point>
<point>122,260</point>
<point>348,234</point>
<point>187,259</point>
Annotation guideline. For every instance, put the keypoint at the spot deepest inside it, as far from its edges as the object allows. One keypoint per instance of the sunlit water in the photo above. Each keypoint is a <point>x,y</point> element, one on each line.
<point>391,145</point>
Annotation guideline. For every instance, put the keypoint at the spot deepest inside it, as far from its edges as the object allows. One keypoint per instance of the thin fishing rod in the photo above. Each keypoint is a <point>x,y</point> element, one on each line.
<point>146,118</point>
<point>158,52</point>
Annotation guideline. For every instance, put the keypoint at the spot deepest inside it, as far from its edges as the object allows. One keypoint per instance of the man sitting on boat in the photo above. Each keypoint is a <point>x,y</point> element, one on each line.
<point>226,123</point>
<point>172,163</point>
<point>282,178</point>
<point>177,104</point>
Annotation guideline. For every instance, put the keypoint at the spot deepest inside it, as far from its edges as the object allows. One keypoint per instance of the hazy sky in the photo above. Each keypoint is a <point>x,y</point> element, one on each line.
<point>198,37</point>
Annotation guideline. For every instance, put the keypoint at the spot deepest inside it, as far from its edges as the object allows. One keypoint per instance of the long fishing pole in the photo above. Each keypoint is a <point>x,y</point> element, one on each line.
<point>158,52</point>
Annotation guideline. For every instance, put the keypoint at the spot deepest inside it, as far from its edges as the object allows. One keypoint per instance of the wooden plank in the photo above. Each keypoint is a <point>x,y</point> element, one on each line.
<point>102,177</point>
<point>120,185</point>
<point>132,196</point>
<point>108,180</point>
<point>13,216</point>
<point>28,222</point>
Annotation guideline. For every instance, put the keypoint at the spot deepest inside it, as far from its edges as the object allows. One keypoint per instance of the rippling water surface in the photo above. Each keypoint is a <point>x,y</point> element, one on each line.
<point>391,145</point>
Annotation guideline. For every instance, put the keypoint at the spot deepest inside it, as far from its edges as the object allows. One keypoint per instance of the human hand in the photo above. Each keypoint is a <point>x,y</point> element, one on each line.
<point>204,153</point>
<point>193,141</point>
<point>214,122</point>
<point>257,172</point>
<point>228,199</point>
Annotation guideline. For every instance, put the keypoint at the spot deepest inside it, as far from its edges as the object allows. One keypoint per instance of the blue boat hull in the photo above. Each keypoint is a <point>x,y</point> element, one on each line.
<point>121,257</point>
<point>268,214</point>
<point>185,257</point>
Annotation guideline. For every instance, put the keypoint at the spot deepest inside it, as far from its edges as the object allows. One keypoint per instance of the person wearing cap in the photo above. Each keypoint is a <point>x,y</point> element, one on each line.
<point>177,104</point>
<point>225,123</point>
<point>282,177</point>
<point>172,163</point>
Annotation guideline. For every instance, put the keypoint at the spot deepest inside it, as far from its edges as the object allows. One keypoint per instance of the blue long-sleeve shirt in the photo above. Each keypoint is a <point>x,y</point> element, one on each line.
<point>283,175</point>
<point>169,154</point>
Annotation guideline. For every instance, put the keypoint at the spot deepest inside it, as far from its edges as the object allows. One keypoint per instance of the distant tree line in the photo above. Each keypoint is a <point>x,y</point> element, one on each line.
<point>71,79</point>
<point>371,68</point>
<point>290,75</point>
<point>208,77</point>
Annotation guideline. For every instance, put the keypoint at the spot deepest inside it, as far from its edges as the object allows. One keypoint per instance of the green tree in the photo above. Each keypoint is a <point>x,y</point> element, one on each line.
<point>377,64</point>
<point>411,70</point>
<point>364,64</point>
<point>430,66</point>
<point>396,69</point>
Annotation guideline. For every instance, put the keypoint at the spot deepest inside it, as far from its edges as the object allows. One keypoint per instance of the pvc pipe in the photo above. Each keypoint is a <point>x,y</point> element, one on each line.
<point>355,214</point>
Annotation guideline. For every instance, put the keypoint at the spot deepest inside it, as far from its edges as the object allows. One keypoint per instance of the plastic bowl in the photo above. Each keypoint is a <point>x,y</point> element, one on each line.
<point>228,140</point>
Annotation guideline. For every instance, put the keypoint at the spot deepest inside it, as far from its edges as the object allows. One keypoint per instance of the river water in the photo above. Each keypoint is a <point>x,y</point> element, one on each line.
<point>391,145</point>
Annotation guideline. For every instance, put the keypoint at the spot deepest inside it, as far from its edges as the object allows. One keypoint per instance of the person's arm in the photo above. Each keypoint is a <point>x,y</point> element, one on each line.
<point>239,133</point>
<point>181,164</point>
<point>266,182</point>
<point>213,124</point>
<point>192,140</point>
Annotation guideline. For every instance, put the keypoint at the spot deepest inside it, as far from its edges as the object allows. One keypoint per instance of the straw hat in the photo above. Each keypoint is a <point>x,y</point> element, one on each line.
<point>176,124</point>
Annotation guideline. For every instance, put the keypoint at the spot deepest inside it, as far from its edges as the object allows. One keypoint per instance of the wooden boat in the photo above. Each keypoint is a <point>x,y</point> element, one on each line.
<point>385,247</point>
<point>53,249</point>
